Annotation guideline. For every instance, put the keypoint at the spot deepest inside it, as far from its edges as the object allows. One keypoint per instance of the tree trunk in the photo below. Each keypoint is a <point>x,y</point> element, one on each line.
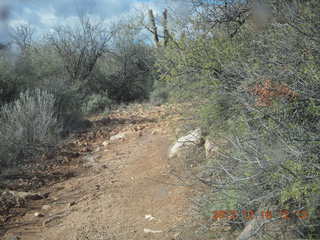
<point>154,29</point>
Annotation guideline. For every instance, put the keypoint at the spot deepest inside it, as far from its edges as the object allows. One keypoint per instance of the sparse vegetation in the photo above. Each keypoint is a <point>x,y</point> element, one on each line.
<point>248,69</point>
<point>85,68</point>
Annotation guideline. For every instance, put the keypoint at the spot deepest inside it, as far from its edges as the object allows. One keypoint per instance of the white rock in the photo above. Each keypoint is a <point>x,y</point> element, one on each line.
<point>193,138</point>
<point>149,217</point>
<point>119,136</point>
<point>24,195</point>
<point>146,230</point>
<point>37,214</point>
<point>45,207</point>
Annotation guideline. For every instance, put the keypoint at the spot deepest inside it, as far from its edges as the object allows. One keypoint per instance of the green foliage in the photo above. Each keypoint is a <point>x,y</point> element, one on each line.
<point>272,139</point>
<point>160,94</point>
<point>68,104</point>
<point>128,76</point>
<point>96,103</point>
<point>9,89</point>
<point>195,63</point>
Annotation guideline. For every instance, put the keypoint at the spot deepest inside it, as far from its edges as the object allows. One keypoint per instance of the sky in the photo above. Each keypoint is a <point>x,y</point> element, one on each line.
<point>45,14</point>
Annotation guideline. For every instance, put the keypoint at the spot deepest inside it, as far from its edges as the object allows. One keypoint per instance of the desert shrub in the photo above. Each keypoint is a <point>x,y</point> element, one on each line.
<point>68,103</point>
<point>96,103</point>
<point>28,126</point>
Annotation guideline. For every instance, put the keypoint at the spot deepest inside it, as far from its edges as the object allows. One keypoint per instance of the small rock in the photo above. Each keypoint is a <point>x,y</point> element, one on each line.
<point>24,195</point>
<point>105,143</point>
<point>119,136</point>
<point>154,132</point>
<point>46,207</point>
<point>98,149</point>
<point>72,204</point>
<point>55,199</point>
<point>149,217</point>
<point>146,230</point>
<point>37,214</point>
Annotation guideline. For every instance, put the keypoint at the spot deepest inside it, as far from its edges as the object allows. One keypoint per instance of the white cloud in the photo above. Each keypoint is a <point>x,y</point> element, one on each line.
<point>18,22</point>
<point>145,6</point>
<point>45,15</point>
<point>48,17</point>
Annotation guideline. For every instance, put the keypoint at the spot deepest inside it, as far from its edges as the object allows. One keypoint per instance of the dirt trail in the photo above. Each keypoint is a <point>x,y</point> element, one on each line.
<point>124,181</point>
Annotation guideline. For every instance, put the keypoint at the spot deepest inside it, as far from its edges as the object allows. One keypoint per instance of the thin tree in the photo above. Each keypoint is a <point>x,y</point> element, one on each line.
<point>80,47</point>
<point>22,36</point>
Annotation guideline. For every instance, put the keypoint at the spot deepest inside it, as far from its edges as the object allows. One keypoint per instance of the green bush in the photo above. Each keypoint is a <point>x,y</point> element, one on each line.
<point>9,85</point>
<point>160,94</point>
<point>128,74</point>
<point>258,91</point>
<point>68,105</point>
<point>96,103</point>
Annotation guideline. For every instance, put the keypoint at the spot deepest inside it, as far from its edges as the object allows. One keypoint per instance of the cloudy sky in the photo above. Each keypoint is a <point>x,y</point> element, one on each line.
<point>45,14</point>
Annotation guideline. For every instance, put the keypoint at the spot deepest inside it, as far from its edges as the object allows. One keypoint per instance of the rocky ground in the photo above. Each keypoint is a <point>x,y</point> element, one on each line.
<point>112,181</point>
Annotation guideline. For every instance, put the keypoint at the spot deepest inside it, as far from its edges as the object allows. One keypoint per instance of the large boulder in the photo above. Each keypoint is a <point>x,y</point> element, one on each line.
<point>193,138</point>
